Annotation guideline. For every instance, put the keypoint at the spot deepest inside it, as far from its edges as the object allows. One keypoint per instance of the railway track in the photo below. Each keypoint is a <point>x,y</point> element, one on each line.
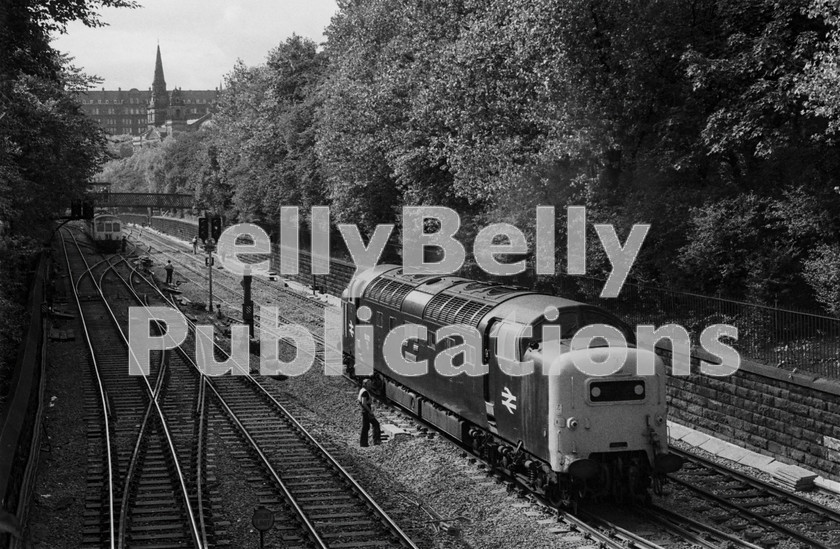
<point>320,496</point>
<point>750,527</point>
<point>194,264</point>
<point>608,534</point>
<point>765,513</point>
<point>137,490</point>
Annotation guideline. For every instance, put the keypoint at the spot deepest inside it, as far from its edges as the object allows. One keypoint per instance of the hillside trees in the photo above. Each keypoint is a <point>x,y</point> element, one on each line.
<point>266,137</point>
<point>713,121</point>
<point>48,148</point>
<point>766,137</point>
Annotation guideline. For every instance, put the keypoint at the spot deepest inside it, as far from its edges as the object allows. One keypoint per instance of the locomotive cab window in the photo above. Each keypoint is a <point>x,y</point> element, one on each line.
<point>572,321</point>
<point>116,227</point>
<point>100,226</point>
<point>378,319</point>
<point>568,322</point>
<point>594,316</point>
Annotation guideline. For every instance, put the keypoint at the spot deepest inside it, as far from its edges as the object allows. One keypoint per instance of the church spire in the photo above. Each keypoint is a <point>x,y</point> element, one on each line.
<point>159,84</point>
<point>159,101</point>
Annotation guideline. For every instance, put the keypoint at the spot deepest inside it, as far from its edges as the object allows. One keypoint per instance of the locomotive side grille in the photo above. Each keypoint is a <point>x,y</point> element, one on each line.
<point>434,307</point>
<point>388,292</point>
<point>394,293</point>
<point>465,315</point>
<point>450,310</point>
<point>480,313</point>
<point>374,291</point>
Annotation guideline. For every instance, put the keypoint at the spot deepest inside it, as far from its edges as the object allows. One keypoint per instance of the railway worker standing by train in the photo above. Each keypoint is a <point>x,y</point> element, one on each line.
<point>169,269</point>
<point>122,244</point>
<point>195,245</point>
<point>368,419</point>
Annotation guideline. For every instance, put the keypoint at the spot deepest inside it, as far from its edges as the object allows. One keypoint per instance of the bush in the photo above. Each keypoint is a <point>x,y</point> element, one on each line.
<point>822,271</point>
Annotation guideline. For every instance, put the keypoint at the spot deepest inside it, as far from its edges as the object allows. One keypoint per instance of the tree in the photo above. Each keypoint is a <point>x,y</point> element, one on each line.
<point>266,132</point>
<point>49,149</point>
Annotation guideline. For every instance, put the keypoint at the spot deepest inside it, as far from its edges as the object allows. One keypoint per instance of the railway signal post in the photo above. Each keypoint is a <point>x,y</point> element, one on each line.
<point>209,247</point>
<point>247,304</point>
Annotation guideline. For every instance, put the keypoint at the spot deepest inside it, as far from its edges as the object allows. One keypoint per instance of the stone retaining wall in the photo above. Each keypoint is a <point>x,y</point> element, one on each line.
<point>793,417</point>
<point>333,283</point>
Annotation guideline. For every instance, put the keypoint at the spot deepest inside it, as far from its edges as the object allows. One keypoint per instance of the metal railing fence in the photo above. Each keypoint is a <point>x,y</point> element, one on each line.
<point>804,340</point>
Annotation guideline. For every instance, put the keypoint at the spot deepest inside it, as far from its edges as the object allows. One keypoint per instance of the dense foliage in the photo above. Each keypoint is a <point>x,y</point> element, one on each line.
<point>715,121</point>
<point>49,149</point>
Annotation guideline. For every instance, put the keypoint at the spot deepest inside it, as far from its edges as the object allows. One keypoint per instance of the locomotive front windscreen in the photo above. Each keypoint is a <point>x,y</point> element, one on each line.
<point>573,320</point>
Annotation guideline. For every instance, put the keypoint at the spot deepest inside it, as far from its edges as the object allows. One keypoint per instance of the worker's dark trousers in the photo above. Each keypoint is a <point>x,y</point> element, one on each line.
<point>169,277</point>
<point>367,421</point>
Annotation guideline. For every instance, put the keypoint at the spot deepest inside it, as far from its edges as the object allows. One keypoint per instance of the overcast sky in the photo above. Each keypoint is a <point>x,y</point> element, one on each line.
<point>200,40</point>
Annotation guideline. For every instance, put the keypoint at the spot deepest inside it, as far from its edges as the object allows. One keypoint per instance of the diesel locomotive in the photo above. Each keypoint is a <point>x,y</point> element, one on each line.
<point>568,435</point>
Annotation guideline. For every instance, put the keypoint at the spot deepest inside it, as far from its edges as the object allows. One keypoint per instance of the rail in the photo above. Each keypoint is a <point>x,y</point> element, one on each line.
<point>197,536</point>
<point>244,373</point>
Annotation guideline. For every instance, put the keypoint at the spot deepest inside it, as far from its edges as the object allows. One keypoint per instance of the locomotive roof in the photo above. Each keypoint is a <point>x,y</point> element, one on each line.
<point>449,299</point>
<point>105,217</point>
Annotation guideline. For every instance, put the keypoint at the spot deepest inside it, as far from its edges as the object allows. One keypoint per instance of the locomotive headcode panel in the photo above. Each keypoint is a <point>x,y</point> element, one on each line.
<point>572,432</point>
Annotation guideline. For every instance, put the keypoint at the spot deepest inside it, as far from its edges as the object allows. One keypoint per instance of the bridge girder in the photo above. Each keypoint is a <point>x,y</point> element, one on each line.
<point>144,200</point>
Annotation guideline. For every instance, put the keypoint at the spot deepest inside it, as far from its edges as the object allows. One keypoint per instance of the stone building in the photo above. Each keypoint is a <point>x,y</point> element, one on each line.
<point>155,112</point>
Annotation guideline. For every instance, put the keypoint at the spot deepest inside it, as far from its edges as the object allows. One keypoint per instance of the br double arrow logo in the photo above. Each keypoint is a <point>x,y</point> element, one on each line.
<point>508,400</point>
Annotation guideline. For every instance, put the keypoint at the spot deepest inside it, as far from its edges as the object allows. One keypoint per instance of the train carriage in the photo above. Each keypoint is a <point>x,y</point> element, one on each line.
<point>106,232</point>
<point>570,434</point>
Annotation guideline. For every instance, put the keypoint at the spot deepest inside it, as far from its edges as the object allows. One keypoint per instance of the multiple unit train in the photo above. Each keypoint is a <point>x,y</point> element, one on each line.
<point>569,435</point>
<point>106,232</point>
